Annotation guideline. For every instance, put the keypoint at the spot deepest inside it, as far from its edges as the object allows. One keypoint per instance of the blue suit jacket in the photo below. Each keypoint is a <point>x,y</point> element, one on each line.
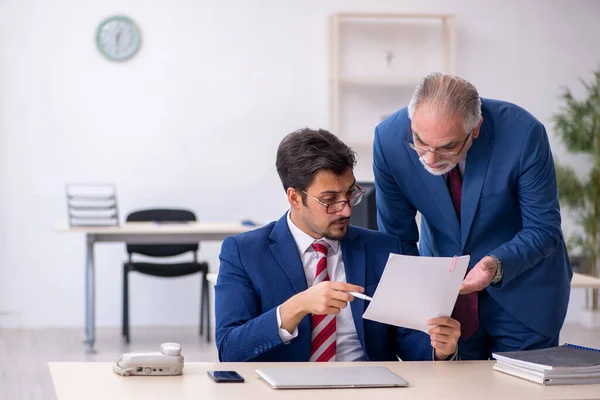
<point>509,209</point>
<point>262,269</point>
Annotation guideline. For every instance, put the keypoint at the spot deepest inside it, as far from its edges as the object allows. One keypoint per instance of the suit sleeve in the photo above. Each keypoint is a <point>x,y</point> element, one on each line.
<point>395,214</point>
<point>413,345</point>
<point>538,199</point>
<point>243,331</point>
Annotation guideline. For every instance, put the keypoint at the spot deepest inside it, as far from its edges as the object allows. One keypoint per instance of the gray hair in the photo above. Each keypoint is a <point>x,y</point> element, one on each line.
<point>449,94</point>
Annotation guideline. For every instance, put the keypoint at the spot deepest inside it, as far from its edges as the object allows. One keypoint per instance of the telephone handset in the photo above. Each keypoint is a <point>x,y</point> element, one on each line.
<point>168,361</point>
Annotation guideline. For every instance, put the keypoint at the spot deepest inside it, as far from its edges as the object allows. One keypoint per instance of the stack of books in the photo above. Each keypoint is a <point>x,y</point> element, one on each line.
<point>562,365</point>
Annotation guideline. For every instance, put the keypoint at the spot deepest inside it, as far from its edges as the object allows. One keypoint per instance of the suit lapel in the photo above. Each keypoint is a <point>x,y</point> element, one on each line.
<point>476,168</point>
<point>353,253</point>
<point>285,251</point>
<point>438,192</point>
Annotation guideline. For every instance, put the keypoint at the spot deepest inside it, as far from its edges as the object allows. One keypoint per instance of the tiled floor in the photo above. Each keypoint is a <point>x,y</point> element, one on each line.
<point>24,354</point>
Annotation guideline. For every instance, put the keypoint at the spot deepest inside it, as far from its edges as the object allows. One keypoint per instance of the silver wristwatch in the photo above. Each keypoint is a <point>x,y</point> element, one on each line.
<point>499,271</point>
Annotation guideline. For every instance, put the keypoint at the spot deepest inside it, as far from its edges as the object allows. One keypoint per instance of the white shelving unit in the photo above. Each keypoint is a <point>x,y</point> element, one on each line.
<point>376,60</point>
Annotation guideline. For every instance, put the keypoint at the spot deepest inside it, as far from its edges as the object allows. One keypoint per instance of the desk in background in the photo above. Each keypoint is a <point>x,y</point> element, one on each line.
<point>584,281</point>
<point>461,380</point>
<point>141,233</point>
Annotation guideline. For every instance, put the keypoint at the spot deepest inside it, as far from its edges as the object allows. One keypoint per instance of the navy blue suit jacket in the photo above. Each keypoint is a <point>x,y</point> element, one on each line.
<point>509,209</point>
<point>262,269</point>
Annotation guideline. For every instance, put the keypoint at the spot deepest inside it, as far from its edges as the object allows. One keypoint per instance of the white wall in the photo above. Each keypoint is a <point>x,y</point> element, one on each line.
<point>3,169</point>
<point>195,118</point>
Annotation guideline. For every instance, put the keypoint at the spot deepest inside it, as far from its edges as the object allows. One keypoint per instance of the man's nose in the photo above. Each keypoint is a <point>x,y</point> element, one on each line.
<point>346,211</point>
<point>431,158</point>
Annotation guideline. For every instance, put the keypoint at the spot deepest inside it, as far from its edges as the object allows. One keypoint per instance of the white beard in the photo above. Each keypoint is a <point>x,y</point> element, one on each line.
<point>447,166</point>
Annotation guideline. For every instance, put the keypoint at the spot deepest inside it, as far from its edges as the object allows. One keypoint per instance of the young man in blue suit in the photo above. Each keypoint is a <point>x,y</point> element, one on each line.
<point>281,294</point>
<point>481,174</point>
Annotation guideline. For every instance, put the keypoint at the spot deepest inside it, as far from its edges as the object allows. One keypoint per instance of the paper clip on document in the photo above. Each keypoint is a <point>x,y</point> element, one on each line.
<point>453,264</point>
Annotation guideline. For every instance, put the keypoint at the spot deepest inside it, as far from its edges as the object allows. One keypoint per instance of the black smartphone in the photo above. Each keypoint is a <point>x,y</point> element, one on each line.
<point>171,222</point>
<point>225,376</point>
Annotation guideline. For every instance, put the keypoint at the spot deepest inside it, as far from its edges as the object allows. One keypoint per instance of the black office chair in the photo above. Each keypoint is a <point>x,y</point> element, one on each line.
<point>166,270</point>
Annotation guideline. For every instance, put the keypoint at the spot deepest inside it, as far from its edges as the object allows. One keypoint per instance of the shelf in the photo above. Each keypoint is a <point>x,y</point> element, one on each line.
<point>376,60</point>
<point>376,16</point>
<point>377,81</point>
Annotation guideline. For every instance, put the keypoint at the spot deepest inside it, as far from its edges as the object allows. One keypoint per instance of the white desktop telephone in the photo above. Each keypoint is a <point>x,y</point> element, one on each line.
<point>168,361</point>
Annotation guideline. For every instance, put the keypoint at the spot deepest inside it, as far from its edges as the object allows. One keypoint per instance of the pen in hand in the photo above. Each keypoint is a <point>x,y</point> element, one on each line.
<point>360,296</point>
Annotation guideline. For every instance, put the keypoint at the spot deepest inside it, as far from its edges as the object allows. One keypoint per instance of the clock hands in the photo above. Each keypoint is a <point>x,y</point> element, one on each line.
<point>118,38</point>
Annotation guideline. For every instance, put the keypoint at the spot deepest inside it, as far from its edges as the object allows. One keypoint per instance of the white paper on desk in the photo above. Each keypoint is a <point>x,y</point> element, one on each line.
<point>415,289</point>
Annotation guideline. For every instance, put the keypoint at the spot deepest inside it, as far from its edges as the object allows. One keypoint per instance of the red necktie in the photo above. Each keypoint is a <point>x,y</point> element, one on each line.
<point>322,345</point>
<point>466,309</point>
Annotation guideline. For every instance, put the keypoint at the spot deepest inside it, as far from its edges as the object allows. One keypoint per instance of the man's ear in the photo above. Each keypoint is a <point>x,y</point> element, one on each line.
<point>476,131</point>
<point>294,198</point>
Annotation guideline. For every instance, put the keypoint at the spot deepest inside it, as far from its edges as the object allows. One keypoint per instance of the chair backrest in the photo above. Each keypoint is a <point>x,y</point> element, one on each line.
<point>161,215</point>
<point>364,214</point>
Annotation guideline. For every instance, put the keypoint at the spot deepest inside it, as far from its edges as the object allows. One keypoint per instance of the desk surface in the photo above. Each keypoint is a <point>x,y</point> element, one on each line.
<point>584,281</point>
<point>428,380</point>
<point>142,228</point>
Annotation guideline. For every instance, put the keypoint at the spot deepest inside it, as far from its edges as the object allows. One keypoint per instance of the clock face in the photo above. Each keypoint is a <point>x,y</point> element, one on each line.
<point>118,38</point>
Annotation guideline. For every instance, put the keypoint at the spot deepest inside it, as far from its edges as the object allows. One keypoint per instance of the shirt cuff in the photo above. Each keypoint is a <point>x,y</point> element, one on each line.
<point>285,336</point>
<point>453,357</point>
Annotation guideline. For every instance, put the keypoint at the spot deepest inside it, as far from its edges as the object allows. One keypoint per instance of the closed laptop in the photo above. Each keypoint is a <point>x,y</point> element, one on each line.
<point>330,377</point>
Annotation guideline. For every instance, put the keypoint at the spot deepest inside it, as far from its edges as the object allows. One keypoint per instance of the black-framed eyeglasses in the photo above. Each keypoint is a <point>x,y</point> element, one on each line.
<point>443,153</point>
<point>335,207</point>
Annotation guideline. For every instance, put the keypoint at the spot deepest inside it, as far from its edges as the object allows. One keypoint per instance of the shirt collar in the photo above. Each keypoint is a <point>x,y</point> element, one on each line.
<point>304,241</point>
<point>461,165</point>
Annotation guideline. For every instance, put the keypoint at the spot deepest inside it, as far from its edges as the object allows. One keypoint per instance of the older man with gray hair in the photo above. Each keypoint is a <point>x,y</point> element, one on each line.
<point>481,174</point>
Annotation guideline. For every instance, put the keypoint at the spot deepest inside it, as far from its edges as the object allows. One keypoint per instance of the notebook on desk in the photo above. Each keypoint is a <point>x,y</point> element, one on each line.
<point>330,377</point>
<point>562,365</point>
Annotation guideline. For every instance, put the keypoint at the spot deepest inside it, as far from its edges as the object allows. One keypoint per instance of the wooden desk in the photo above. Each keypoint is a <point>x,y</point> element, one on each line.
<point>141,233</point>
<point>584,281</point>
<point>428,380</point>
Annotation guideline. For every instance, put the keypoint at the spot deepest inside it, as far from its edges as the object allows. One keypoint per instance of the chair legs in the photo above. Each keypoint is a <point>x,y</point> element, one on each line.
<point>201,304</point>
<point>207,298</point>
<point>125,324</point>
<point>204,308</point>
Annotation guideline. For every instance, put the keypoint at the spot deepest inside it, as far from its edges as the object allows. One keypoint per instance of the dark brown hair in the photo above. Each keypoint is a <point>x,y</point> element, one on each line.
<point>303,153</point>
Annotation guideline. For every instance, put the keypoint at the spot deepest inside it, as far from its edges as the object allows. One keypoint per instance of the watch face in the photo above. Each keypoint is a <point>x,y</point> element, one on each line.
<point>118,38</point>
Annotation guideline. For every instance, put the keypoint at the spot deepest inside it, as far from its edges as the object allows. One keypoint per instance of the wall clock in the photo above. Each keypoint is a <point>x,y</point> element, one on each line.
<point>118,38</point>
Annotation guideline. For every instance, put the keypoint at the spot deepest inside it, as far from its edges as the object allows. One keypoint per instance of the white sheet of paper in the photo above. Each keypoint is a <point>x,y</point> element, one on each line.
<point>414,289</point>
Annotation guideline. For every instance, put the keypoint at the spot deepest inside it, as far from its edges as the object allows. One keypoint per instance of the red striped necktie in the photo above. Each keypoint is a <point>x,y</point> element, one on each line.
<point>322,345</point>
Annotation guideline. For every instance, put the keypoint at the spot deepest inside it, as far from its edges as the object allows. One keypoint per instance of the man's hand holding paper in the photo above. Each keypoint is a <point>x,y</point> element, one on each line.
<point>444,335</point>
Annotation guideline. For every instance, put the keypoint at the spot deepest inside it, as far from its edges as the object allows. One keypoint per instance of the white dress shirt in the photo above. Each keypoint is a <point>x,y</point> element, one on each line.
<point>348,347</point>
<point>461,165</point>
